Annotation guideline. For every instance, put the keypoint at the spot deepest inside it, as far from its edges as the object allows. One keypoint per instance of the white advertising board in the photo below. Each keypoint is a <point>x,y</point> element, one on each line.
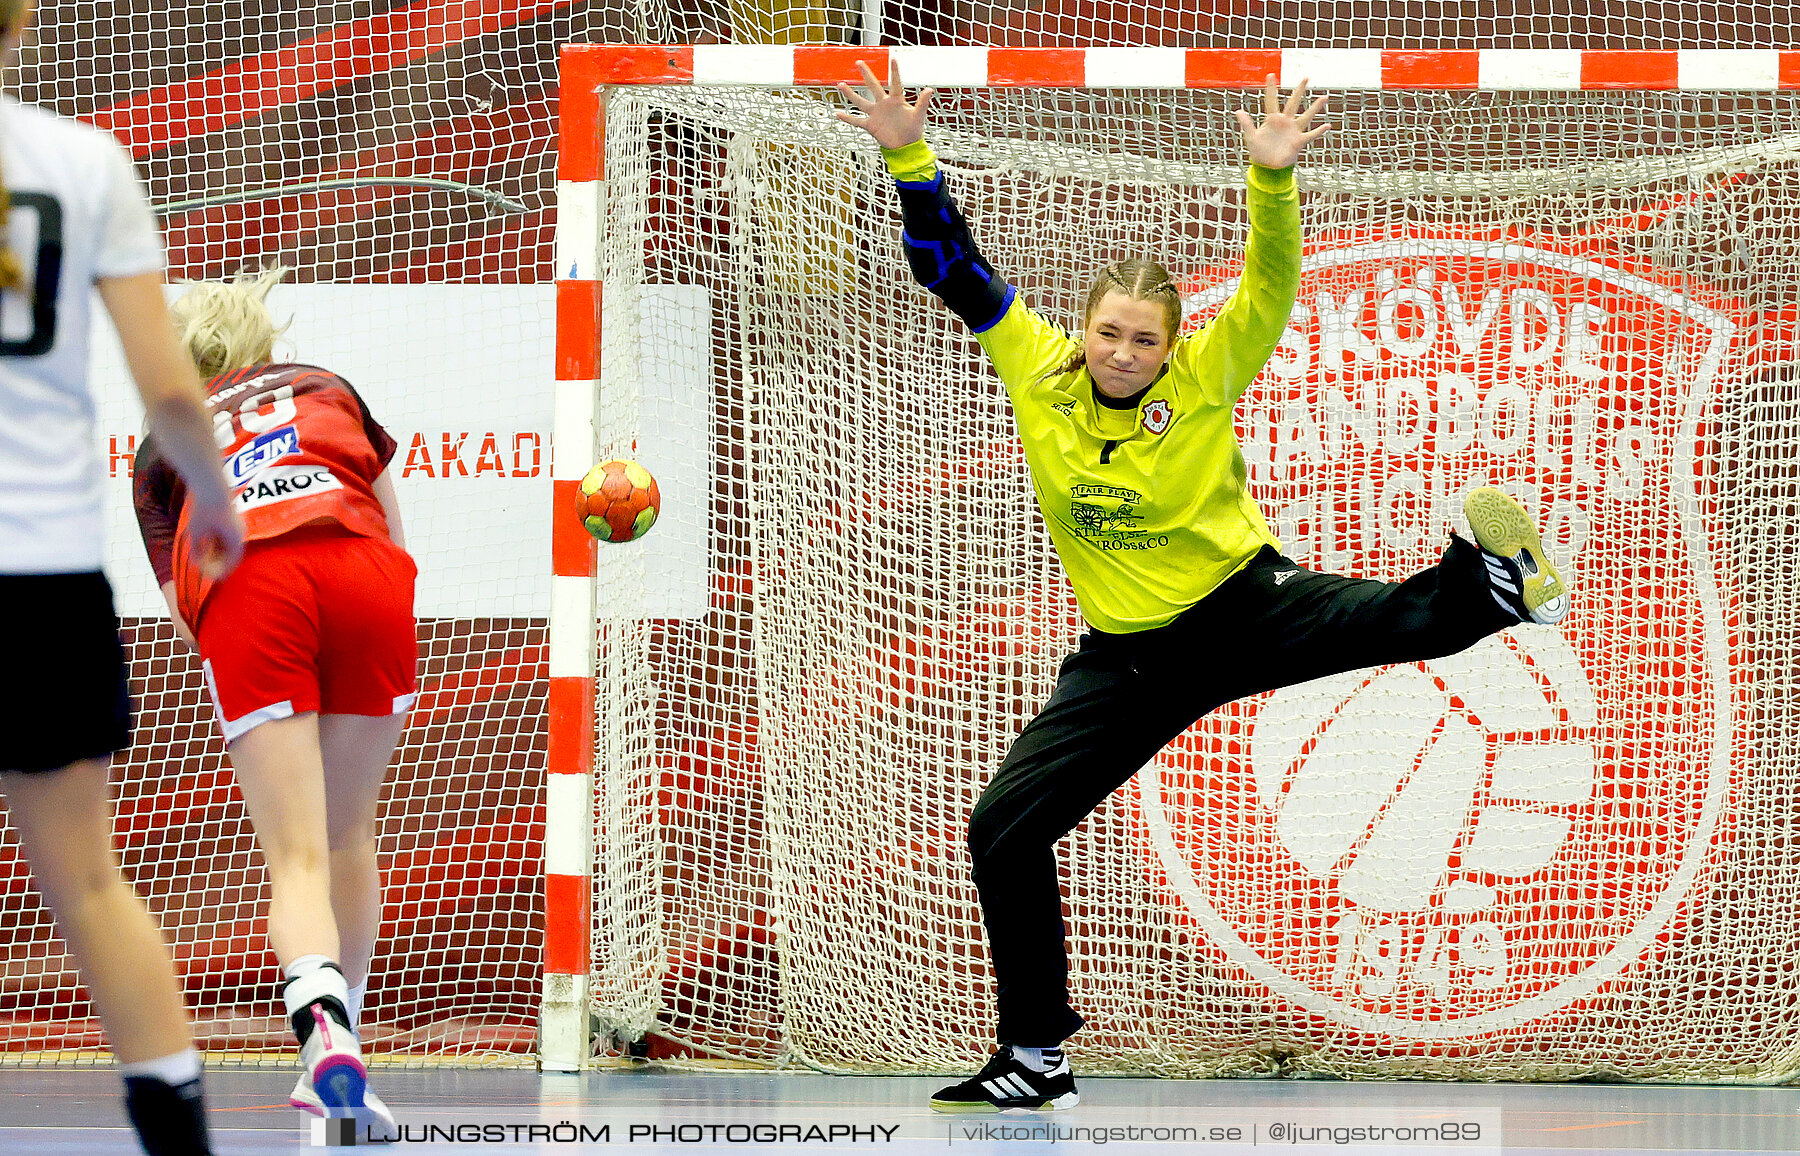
<point>461,376</point>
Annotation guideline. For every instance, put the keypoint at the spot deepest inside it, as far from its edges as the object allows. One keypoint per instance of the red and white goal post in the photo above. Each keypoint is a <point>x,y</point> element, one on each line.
<point>1566,852</point>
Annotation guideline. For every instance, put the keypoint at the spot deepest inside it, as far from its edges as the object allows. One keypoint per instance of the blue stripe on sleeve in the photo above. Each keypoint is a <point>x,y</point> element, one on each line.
<point>1005,306</point>
<point>930,186</point>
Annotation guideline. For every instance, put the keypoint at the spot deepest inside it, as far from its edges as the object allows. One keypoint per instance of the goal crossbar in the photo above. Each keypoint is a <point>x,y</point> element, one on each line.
<point>1490,69</point>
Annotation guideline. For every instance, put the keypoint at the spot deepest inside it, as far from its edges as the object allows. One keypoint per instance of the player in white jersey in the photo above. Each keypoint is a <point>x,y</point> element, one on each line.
<point>73,219</point>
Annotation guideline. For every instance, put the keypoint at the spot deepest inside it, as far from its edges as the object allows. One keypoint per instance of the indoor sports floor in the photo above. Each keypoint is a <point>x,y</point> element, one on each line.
<point>75,1112</point>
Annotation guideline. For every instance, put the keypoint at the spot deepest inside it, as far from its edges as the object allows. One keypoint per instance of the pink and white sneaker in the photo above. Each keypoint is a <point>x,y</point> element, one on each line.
<point>379,1120</point>
<point>332,1060</point>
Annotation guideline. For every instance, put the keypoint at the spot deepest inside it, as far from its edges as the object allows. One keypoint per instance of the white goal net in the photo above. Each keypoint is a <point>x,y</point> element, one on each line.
<point>1566,852</point>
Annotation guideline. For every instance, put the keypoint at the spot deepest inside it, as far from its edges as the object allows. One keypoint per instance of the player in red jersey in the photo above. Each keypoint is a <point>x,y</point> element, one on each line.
<point>309,650</point>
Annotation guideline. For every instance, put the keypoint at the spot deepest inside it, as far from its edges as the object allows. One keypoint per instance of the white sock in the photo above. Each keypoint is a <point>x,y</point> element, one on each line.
<point>357,994</point>
<point>305,965</point>
<point>181,1067</point>
<point>1038,1059</point>
<point>310,979</point>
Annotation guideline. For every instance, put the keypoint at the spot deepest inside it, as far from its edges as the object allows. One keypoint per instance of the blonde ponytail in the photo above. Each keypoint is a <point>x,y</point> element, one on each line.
<point>12,271</point>
<point>225,325</point>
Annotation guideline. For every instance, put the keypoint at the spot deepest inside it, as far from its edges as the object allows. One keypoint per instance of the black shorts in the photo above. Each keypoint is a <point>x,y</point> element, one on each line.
<point>62,692</point>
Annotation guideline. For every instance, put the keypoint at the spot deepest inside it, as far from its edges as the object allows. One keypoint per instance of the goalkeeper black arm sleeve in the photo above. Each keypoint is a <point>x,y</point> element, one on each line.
<point>943,255</point>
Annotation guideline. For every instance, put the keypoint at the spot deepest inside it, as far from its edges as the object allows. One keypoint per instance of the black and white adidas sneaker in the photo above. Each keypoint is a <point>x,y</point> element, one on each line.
<point>1006,1084</point>
<point>1520,575</point>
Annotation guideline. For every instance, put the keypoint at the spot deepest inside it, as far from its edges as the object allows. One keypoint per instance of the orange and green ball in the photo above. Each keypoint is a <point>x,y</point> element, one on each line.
<point>618,501</point>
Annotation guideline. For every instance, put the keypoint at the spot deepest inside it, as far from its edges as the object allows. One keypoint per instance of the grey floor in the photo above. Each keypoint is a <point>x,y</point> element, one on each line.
<point>61,1112</point>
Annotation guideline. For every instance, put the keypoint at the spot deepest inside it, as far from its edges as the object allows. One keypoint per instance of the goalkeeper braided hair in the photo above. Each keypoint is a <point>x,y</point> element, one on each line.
<point>1138,278</point>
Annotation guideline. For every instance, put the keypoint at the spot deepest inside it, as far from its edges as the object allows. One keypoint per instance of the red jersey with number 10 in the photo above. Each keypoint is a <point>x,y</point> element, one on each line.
<point>300,449</point>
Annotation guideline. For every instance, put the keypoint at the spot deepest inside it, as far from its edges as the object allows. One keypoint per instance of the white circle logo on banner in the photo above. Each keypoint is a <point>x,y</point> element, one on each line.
<point>1461,846</point>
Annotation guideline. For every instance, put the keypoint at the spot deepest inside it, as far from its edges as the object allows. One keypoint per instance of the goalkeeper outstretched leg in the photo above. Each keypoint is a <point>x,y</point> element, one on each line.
<point>1520,574</point>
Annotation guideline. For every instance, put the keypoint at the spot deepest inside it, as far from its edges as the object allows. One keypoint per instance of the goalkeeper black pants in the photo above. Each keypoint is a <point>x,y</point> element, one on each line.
<point>1120,698</point>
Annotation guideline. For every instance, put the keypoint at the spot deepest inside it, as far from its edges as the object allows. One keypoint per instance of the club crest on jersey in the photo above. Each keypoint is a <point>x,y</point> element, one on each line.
<point>1157,415</point>
<point>265,450</point>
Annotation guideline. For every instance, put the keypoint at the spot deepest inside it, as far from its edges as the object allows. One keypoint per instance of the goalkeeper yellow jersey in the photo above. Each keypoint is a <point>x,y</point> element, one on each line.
<point>1149,509</point>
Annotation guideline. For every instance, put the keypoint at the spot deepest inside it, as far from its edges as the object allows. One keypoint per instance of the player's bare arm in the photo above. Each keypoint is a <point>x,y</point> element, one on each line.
<point>175,405</point>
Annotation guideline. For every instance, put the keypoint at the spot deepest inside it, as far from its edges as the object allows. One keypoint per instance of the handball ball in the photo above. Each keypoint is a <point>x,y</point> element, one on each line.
<point>618,501</point>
